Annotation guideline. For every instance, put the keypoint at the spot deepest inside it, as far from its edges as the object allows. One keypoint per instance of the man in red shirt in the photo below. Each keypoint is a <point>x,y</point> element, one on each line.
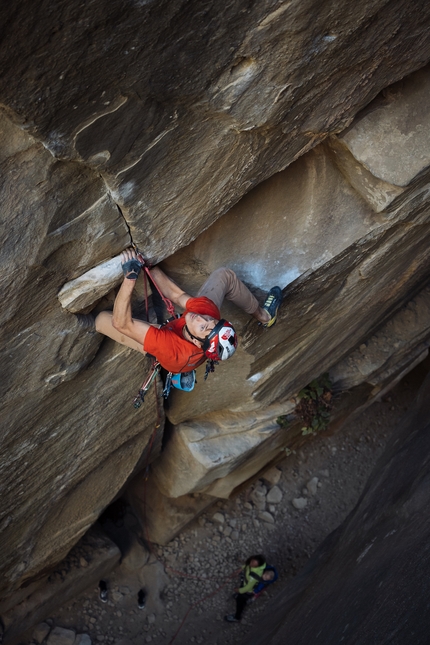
<point>183,344</point>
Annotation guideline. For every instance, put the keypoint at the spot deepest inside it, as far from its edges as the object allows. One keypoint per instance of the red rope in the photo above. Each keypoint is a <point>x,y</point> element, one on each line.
<point>145,282</point>
<point>169,304</point>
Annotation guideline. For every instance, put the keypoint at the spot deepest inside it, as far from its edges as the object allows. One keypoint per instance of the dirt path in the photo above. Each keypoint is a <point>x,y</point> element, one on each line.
<point>214,547</point>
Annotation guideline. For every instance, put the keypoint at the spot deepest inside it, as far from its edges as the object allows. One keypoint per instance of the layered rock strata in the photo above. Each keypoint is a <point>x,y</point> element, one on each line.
<point>369,264</point>
<point>145,123</point>
<point>182,108</point>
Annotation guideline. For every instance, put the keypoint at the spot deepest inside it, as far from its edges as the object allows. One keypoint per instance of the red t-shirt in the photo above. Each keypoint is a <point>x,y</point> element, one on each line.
<point>171,349</point>
<point>168,345</point>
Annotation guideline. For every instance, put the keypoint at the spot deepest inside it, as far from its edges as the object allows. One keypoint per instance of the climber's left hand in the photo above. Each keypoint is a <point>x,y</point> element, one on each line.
<point>130,264</point>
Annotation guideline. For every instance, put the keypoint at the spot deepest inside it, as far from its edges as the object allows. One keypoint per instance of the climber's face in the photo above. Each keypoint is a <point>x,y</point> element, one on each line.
<point>199,325</point>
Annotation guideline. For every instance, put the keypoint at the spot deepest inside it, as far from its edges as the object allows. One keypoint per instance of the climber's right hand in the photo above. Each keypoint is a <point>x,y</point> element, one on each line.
<point>130,264</point>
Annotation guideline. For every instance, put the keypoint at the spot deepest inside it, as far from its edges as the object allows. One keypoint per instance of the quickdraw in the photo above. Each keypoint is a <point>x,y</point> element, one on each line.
<point>140,397</point>
<point>210,367</point>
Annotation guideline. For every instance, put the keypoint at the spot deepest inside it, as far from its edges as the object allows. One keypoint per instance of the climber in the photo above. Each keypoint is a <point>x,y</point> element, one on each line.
<point>255,577</point>
<point>184,343</point>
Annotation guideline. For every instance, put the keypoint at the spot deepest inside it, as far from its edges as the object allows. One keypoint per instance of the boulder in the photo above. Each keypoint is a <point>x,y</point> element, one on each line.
<point>312,485</point>
<point>258,497</point>
<point>82,639</point>
<point>300,503</point>
<point>266,517</point>
<point>61,636</point>
<point>40,632</point>
<point>272,476</point>
<point>218,518</point>
<point>274,496</point>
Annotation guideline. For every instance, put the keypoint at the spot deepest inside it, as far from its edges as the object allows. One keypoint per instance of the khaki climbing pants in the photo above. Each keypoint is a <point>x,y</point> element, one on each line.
<point>224,283</point>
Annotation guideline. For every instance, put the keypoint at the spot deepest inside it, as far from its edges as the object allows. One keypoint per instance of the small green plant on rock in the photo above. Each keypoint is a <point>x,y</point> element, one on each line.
<point>283,421</point>
<point>315,405</point>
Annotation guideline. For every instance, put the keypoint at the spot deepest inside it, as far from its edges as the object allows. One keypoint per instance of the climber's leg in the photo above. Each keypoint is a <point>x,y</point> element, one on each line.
<point>104,326</point>
<point>224,283</point>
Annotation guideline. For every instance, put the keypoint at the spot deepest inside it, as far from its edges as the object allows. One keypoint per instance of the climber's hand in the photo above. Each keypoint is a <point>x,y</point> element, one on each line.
<point>130,264</point>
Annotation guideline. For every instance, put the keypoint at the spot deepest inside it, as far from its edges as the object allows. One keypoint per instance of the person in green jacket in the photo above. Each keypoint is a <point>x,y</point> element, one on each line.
<point>251,576</point>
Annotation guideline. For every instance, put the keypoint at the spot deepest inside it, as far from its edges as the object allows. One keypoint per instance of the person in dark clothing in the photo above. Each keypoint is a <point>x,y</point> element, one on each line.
<point>256,575</point>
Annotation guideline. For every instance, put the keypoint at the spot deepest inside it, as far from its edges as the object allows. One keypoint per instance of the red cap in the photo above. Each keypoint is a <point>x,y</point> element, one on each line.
<point>203,306</point>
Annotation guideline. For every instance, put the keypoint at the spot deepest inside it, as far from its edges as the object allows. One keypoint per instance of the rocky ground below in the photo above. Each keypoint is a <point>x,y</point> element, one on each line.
<point>285,516</point>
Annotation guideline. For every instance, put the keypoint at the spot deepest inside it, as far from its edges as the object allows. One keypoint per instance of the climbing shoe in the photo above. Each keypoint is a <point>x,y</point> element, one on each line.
<point>103,591</point>
<point>230,618</point>
<point>141,599</point>
<point>86,322</point>
<point>272,304</point>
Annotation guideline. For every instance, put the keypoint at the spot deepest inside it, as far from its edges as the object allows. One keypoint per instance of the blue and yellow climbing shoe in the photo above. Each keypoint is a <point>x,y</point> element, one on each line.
<point>272,304</point>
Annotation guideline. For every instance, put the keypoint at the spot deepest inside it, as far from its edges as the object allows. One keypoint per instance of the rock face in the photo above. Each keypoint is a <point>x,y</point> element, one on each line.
<point>327,312</point>
<point>144,123</point>
<point>90,560</point>
<point>183,108</point>
<point>367,582</point>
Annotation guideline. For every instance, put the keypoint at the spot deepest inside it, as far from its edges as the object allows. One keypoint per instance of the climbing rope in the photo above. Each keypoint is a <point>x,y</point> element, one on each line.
<point>147,269</point>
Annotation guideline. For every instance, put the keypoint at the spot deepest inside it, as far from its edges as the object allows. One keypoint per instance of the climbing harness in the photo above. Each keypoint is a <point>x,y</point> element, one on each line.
<point>184,381</point>
<point>220,344</point>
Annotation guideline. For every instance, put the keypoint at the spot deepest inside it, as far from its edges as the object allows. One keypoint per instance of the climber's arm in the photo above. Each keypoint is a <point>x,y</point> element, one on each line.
<point>122,319</point>
<point>169,288</point>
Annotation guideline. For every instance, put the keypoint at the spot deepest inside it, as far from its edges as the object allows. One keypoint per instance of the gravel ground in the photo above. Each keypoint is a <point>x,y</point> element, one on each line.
<point>329,474</point>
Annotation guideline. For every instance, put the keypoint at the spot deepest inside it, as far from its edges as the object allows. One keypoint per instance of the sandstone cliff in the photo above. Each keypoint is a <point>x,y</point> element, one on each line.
<point>148,122</point>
